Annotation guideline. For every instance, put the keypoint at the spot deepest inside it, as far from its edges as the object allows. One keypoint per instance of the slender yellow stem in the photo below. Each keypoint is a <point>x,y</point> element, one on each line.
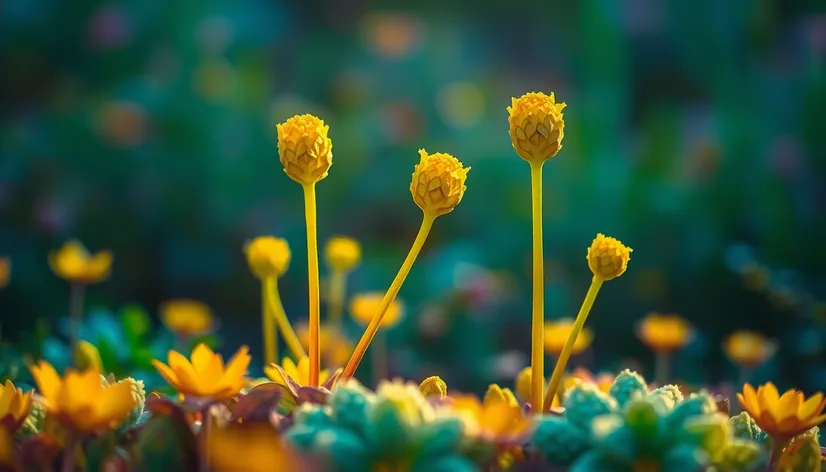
<point>375,323</point>
<point>268,328</point>
<point>312,265</point>
<point>556,378</point>
<point>538,315</point>
<point>338,284</point>
<point>277,312</point>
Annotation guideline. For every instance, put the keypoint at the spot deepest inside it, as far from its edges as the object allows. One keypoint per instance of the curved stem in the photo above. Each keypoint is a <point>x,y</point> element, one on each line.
<point>375,323</point>
<point>538,313</point>
<point>312,267</point>
<point>277,312</point>
<point>338,283</point>
<point>776,451</point>
<point>268,328</point>
<point>559,369</point>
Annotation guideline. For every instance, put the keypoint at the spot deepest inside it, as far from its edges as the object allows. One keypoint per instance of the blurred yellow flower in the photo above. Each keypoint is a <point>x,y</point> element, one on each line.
<point>248,447</point>
<point>335,346</point>
<point>186,317</point>
<point>433,386</point>
<point>5,271</point>
<point>81,401</point>
<point>498,418</point>
<point>364,305</point>
<point>304,148</point>
<point>748,348</point>
<point>664,333</point>
<point>536,126</point>
<point>438,183</point>
<point>268,256</point>
<point>557,333</point>
<point>522,387</point>
<point>206,376</point>
<point>300,372</point>
<point>14,406</point>
<point>603,381</point>
<point>73,263</point>
<point>342,254</point>
<point>608,257</point>
<point>782,417</point>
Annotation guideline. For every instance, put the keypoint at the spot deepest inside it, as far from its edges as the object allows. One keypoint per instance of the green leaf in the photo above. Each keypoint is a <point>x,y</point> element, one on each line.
<point>135,322</point>
<point>166,443</point>
<point>87,357</point>
<point>98,450</point>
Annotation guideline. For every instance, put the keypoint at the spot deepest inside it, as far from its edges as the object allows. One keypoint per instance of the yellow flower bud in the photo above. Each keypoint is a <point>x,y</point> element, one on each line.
<point>87,357</point>
<point>434,386</point>
<point>438,183</point>
<point>497,395</point>
<point>304,148</point>
<point>364,305</point>
<point>342,253</point>
<point>268,256</point>
<point>523,384</point>
<point>607,257</point>
<point>536,126</point>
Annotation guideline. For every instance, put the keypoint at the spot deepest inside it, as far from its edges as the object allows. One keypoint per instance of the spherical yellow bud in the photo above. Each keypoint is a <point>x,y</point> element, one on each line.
<point>536,126</point>
<point>433,386</point>
<point>342,253</point>
<point>304,148</point>
<point>268,256</point>
<point>438,183</point>
<point>607,257</point>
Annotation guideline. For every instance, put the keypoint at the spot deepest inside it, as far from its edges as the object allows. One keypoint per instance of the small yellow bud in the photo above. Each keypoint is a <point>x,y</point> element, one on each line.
<point>500,396</point>
<point>268,256</point>
<point>342,253</point>
<point>87,357</point>
<point>438,183</point>
<point>536,126</point>
<point>523,384</point>
<point>364,305</point>
<point>607,257</point>
<point>304,148</point>
<point>433,386</point>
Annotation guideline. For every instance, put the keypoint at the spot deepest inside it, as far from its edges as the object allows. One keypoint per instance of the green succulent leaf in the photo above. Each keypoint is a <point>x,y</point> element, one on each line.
<point>440,437</point>
<point>802,455</point>
<point>166,443</point>
<point>595,461</point>
<point>627,386</point>
<point>451,463</point>
<point>685,458</point>
<point>558,440</point>
<point>135,322</point>
<point>712,432</point>
<point>740,455</point>
<point>585,402</point>
<point>388,430</point>
<point>743,426</point>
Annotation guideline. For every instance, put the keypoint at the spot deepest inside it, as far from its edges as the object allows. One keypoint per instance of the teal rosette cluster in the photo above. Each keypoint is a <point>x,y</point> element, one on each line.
<point>396,427</point>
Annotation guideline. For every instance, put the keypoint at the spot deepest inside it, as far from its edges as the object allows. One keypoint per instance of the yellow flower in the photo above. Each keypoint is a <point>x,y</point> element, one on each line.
<point>5,271</point>
<point>664,333</point>
<point>536,126</point>
<point>557,333</point>
<point>782,417</point>
<point>73,263</point>
<point>206,376</point>
<point>364,305</point>
<point>81,401</point>
<point>14,406</point>
<point>342,253</point>
<point>498,418</point>
<point>748,348</point>
<point>523,387</point>
<point>268,256</point>
<point>187,317</point>
<point>304,148</point>
<point>438,183</point>
<point>335,347</point>
<point>607,257</point>
<point>433,386</point>
<point>246,447</point>
<point>300,372</point>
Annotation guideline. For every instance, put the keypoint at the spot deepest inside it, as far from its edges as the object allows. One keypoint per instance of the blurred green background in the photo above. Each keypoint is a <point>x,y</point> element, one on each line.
<point>694,133</point>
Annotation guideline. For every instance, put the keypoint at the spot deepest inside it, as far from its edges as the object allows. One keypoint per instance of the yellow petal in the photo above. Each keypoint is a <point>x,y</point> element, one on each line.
<point>274,375</point>
<point>202,356</point>
<point>48,382</point>
<point>167,373</point>
<point>787,406</point>
<point>237,366</point>
<point>116,402</point>
<point>812,406</point>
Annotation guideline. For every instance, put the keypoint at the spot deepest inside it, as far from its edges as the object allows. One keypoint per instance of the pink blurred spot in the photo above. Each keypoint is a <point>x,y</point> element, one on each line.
<point>402,122</point>
<point>392,35</point>
<point>110,27</point>
<point>816,29</point>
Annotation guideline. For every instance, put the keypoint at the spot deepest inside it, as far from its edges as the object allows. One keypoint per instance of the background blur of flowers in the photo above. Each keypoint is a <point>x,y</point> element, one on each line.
<point>693,134</point>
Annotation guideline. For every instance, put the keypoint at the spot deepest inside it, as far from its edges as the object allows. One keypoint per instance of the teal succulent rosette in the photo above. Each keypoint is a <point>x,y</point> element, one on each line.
<point>396,427</point>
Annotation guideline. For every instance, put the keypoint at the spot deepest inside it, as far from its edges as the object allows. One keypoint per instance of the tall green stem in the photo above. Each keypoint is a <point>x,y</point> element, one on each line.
<point>312,265</point>
<point>538,314</point>
<point>375,323</point>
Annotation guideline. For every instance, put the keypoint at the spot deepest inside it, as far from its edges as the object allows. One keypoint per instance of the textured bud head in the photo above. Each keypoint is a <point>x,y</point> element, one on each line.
<point>608,257</point>
<point>304,148</point>
<point>585,402</point>
<point>536,126</point>
<point>433,386</point>
<point>438,183</point>
<point>268,256</point>
<point>342,253</point>
<point>627,386</point>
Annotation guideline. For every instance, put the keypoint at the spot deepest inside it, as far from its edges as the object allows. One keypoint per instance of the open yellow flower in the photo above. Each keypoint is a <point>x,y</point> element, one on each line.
<point>782,416</point>
<point>14,406</point>
<point>498,418</point>
<point>557,333</point>
<point>73,263</point>
<point>186,317</point>
<point>335,346</point>
<point>268,256</point>
<point>438,183</point>
<point>5,271</point>
<point>300,372</point>
<point>342,254</point>
<point>664,333</point>
<point>536,126</point>
<point>364,305</point>
<point>248,447</point>
<point>748,348</point>
<point>206,377</point>
<point>81,401</point>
